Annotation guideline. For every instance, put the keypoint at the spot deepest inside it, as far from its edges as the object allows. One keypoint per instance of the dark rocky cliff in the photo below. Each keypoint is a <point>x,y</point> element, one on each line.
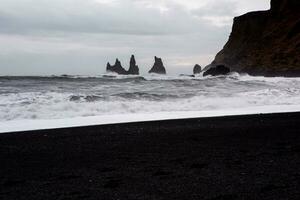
<point>265,42</point>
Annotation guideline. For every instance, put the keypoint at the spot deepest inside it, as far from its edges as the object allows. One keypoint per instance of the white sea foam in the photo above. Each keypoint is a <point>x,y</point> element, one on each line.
<point>64,100</point>
<point>27,125</point>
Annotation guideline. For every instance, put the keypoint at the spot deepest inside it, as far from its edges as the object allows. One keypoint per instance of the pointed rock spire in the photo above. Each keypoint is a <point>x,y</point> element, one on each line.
<point>133,68</point>
<point>108,67</point>
<point>117,68</point>
<point>158,67</point>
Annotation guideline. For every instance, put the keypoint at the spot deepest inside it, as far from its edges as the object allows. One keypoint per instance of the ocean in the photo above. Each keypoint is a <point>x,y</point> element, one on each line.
<point>58,99</point>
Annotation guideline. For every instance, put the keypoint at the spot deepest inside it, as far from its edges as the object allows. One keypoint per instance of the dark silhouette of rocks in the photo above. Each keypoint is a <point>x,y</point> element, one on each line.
<point>216,71</point>
<point>158,67</point>
<point>117,68</point>
<point>265,42</point>
<point>133,68</point>
<point>186,75</point>
<point>197,69</point>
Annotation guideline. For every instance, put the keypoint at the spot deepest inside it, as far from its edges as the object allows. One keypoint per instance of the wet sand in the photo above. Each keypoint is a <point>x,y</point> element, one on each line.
<point>238,157</point>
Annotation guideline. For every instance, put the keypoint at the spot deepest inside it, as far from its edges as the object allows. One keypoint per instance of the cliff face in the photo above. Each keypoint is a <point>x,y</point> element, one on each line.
<point>265,42</point>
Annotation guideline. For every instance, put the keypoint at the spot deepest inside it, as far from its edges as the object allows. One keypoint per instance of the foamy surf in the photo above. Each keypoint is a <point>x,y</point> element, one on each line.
<point>63,101</point>
<point>30,125</point>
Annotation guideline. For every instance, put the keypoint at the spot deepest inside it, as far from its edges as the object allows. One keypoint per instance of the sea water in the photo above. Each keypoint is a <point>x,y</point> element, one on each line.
<point>62,101</point>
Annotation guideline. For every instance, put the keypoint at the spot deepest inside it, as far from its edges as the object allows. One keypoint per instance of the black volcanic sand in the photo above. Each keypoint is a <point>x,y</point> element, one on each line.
<point>241,157</point>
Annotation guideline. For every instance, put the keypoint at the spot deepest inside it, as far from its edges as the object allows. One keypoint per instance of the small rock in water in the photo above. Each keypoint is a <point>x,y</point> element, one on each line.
<point>92,98</point>
<point>186,75</point>
<point>75,98</point>
<point>197,69</point>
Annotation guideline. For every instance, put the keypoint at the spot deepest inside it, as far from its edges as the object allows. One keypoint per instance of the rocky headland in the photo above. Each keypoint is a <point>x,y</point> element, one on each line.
<point>264,43</point>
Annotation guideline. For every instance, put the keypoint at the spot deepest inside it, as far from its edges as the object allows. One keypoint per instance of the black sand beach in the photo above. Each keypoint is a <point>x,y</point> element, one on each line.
<point>240,157</point>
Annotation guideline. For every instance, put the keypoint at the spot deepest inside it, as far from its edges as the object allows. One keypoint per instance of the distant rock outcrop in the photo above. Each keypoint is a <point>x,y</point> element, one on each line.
<point>133,68</point>
<point>158,67</point>
<point>217,70</point>
<point>117,68</point>
<point>186,75</point>
<point>265,42</point>
<point>197,69</point>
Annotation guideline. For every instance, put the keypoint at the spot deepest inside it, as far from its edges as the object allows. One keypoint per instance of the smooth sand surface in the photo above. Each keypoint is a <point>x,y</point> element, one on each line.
<point>236,157</point>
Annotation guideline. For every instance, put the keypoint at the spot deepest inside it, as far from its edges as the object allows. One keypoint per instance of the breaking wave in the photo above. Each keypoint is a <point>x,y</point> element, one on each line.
<point>59,97</point>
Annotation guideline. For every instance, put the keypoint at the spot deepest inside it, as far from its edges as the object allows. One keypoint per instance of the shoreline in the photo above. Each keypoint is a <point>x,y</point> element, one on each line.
<point>48,124</point>
<point>235,157</point>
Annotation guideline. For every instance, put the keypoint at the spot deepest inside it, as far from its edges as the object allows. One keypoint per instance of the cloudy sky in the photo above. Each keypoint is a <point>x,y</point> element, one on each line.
<point>45,37</point>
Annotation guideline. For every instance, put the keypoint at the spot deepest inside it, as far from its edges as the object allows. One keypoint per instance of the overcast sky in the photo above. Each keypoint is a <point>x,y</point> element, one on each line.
<point>45,37</point>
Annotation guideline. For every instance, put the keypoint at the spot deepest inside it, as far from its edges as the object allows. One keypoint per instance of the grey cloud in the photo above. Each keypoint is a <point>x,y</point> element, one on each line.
<point>90,17</point>
<point>80,36</point>
<point>217,8</point>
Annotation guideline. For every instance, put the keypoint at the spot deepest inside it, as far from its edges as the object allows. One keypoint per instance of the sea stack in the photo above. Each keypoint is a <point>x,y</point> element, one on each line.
<point>265,43</point>
<point>133,68</point>
<point>158,67</point>
<point>117,68</point>
<point>197,69</point>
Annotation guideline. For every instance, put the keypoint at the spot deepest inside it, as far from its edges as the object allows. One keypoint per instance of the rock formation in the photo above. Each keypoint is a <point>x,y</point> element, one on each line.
<point>197,69</point>
<point>133,68</point>
<point>117,68</point>
<point>186,75</point>
<point>265,42</point>
<point>217,70</point>
<point>158,67</point>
